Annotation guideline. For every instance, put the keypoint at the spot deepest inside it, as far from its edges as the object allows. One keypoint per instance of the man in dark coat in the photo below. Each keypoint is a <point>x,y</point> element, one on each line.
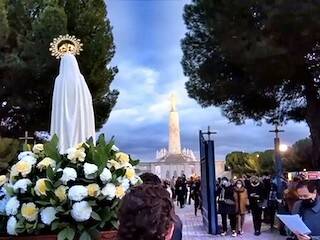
<point>256,198</point>
<point>227,206</point>
<point>308,207</point>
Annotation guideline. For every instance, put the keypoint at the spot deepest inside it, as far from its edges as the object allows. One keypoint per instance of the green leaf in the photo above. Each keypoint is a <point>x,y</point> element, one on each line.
<point>55,225</point>
<point>49,185</point>
<point>43,203</point>
<point>9,190</point>
<point>57,184</point>
<point>51,149</point>
<point>50,174</point>
<point>115,224</point>
<point>95,216</point>
<point>67,233</point>
<point>85,236</point>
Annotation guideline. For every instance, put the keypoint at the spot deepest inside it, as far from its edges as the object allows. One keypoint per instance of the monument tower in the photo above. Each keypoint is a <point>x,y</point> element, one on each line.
<point>174,128</point>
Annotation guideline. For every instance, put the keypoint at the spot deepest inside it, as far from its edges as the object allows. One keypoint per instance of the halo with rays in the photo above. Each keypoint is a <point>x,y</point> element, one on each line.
<point>65,44</point>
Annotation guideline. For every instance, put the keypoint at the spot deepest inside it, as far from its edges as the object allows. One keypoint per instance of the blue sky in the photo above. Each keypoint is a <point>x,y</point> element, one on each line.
<point>147,36</point>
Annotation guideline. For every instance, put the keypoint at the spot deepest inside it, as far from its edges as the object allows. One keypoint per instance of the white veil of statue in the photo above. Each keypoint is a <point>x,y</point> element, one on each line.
<point>72,116</point>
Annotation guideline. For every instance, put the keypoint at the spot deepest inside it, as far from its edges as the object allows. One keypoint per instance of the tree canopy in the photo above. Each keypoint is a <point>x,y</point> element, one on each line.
<point>27,71</point>
<point>258,163</point>
<point>256,60</point>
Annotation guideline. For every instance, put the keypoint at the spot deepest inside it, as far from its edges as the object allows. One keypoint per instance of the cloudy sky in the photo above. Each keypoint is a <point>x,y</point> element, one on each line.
<point>147,36</point>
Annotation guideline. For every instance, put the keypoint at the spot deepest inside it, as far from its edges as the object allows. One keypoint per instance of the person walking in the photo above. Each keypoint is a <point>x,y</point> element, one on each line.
<point>196,195</point>
<point>242,204</point>
<point>256,198</point>
<point>272,203</point>
<point>227,206</point>
<point>180,192</point>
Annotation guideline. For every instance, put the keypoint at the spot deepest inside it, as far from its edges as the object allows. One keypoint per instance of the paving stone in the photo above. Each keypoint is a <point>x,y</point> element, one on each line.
<point>193,228</point>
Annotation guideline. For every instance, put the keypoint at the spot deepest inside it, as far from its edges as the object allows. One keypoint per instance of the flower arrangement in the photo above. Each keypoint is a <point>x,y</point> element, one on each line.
<point>75,195</point>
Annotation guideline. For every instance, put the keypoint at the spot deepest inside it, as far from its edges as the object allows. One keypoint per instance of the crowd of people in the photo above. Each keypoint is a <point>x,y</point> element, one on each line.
<point>148,211</point>
<point>259,196</point>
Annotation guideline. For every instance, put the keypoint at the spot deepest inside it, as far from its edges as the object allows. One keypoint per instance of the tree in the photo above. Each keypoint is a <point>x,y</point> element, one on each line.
<point>298,156</point>
<point>258,163</point>
<point>256,60</point>
<point>27,71</point>
<point>236,162</point>
<point>8,151</point>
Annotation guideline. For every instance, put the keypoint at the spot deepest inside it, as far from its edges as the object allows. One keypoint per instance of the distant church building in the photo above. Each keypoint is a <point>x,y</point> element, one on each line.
<point>172,161</point>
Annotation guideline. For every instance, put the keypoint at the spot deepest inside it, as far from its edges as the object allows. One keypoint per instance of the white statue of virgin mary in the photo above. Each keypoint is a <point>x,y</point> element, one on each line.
<point>72,116</point>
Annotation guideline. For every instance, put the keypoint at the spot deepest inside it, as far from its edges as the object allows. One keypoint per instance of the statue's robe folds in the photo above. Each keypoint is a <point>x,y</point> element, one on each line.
<point>72,116</point>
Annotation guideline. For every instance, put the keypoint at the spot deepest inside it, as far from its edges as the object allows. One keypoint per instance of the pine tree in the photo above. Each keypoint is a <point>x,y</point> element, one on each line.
<point>27,71</point>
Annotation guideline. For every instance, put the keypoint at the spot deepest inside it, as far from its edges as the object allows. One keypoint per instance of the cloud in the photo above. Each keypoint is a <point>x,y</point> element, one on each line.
<point>147,36</point>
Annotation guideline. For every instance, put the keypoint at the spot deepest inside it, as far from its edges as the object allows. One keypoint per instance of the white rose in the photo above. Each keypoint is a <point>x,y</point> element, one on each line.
<point>77,193</point>
<point>26,153</point>
<point>81,211</point>
<point>12,206</point>
<point>45,163</point>
<point>38,148</point>
<point>29,159</point>
<point>75,154</point>
<point>126,184</point>
<point>135,180</point>
<point>68,174</point>
<point>3,204</point>
<point>11,226</point>
<point>115,148</point>
<point>48,215</point>
<point>89,170</point>
<point>106,175</point>
<point>22,185</point>
<point>109,191</point>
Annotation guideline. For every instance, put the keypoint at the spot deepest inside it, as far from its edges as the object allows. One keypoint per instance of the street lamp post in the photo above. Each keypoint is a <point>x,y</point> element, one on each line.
<point>278,163</point>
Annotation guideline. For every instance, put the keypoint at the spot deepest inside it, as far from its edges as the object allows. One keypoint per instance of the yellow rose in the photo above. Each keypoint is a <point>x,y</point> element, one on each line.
<point>130,173</point>
<point>76,155</point>
<point>29,211</point>
<point>115,164</point>
<point>41,186</point>
<point>23,167</point>
<point>122,157</point>
<point>3,180</point>
<point>45,163</point>
<point>120,191</point>
<point>38,148</point>
<point>61,193</point>
<point>93,190</point>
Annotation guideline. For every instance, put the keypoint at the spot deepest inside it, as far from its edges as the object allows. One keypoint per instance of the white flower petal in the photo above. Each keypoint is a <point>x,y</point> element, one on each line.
<point>81,211</point>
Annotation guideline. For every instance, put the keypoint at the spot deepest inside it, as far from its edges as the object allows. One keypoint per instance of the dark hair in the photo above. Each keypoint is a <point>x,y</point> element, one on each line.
<point>308,184</point>
<point>150,178</point>
<point>145,213</point>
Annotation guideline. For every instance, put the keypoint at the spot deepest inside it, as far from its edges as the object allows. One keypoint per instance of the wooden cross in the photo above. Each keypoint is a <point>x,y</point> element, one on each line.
<point>276,131</point>
<point>26,137</point>
<point>209,133</point>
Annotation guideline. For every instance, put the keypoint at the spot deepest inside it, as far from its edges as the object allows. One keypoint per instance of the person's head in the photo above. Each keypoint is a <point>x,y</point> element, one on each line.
<point>146,212</point>
<point>255,181</point>
<point>307,192</point>
<point>239,184</point>
<point>225,181</point>
<point>150,178</point>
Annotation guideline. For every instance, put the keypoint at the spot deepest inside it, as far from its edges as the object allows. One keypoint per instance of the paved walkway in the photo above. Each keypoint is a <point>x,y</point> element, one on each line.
<point>193,228</point>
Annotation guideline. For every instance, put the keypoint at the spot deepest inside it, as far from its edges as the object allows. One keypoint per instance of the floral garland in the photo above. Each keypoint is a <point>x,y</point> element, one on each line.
<point>75,195</point>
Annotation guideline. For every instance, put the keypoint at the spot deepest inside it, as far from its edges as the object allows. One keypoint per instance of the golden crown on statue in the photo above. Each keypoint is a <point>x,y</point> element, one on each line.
<point>65,44</point>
